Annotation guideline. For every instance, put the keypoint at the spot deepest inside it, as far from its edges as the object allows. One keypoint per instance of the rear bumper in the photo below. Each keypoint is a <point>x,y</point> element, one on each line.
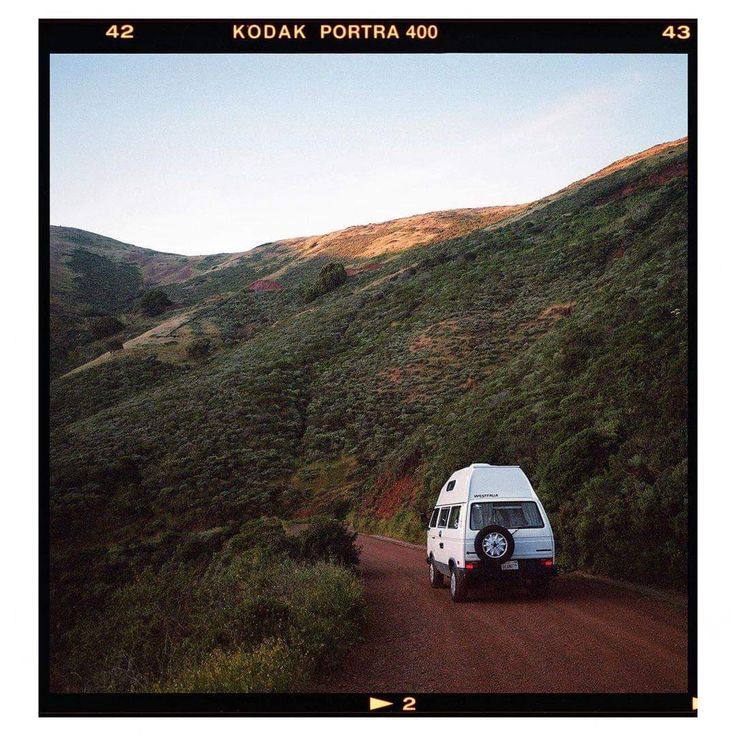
<point>527,569</point>
<point>530,568</point>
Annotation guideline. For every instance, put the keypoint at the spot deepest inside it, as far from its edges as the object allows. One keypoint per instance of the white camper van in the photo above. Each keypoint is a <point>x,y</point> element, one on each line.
<point>489,524</point>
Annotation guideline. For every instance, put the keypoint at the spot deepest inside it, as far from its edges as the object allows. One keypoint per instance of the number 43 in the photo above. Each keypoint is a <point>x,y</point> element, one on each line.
<point>681,32</point>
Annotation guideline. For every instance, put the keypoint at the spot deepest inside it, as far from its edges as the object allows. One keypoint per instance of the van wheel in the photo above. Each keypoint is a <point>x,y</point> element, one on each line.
<point>436,579</point>
<point>458,586</point>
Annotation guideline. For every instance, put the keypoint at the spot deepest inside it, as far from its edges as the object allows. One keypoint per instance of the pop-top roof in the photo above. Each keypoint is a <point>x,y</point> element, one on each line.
<point>487,465</point>
<point>499,481</point>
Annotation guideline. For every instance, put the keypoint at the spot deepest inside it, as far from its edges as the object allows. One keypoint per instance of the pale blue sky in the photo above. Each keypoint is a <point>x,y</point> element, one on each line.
<point>210,153</point>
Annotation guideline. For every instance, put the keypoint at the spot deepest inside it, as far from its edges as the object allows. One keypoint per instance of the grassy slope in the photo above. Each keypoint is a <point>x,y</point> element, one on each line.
<point>556,340</point>
<point>94,276</point>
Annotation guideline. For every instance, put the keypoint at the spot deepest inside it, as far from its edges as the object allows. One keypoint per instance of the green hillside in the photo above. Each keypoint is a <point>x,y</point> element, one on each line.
<point>554,338</point>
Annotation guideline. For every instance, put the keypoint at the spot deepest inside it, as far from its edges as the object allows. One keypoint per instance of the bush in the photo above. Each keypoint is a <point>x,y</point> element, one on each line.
<point>330,277</point>
<point>266,535</point>
<point>154,302</point>
<point>105,326</point>
<point>228,626</point>
<point>202,545</point>
<point>199,348</point>
<point>317,621</point>
<point>328,539</point>
<point>115,344</point>
<point>270,667</point>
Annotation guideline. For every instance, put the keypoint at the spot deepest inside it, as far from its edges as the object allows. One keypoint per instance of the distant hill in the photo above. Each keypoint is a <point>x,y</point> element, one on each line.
<point>552,335</point>
<point>94,276</point>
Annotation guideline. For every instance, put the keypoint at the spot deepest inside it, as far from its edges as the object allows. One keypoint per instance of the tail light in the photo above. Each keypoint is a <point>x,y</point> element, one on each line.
<point>470,566</point>
<point>546,563</point>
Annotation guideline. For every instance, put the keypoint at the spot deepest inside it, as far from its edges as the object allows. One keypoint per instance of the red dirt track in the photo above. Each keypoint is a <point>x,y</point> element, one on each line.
<point>587,637</point>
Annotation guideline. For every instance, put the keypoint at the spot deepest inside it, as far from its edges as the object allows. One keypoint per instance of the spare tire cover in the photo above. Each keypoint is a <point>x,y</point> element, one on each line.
<point>494,543</point>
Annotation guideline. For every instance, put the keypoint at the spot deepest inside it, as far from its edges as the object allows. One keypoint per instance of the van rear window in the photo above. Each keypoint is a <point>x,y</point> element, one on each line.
<point>511,514</point>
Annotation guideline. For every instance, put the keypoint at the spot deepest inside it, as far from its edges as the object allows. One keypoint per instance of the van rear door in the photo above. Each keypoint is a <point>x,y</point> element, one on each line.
<point>524,518</point>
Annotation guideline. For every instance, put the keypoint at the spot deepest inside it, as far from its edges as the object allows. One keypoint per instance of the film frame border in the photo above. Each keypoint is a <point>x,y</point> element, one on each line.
<point>161,36</point>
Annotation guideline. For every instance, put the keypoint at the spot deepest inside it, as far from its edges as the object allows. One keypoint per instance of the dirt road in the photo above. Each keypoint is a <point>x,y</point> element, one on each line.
<point>587,636</point>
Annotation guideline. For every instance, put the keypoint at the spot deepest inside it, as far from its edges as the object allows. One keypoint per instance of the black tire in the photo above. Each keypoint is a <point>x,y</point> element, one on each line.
<point>537,587</point>
<point>458,585</point>
<point>500,531</point>
<point>436,578</point>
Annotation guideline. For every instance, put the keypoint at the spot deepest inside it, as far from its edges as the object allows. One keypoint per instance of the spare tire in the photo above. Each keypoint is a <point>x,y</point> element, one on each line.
<point>494,543</point>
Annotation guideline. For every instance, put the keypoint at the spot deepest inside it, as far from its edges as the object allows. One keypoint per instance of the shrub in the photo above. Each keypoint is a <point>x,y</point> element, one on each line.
<point>105,326</point>
<point>328,539</point>
<point>199,348</point>
<point>266,535</point>
<point>270,667</point>
<point>202,545</point>
<point>154,302</point>
<point>228,626</point>
<point>115,344</point>
<point>330,277</point>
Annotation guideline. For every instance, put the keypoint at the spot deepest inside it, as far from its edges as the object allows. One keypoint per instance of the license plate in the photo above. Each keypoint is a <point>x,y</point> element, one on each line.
<point>512,565</point>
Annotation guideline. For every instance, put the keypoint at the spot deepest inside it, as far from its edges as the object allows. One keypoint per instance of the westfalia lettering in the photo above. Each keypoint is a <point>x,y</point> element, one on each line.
<point>268,31</point>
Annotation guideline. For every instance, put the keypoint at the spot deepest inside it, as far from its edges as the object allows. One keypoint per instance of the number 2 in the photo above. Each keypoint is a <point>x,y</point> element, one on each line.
<point>409,704</point>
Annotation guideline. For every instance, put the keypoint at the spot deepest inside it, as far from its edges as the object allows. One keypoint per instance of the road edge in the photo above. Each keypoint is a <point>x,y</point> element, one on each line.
<point>675,599</point>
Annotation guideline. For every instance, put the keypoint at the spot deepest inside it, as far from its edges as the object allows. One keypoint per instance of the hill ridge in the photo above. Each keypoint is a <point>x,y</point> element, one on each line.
<point>623,162</point>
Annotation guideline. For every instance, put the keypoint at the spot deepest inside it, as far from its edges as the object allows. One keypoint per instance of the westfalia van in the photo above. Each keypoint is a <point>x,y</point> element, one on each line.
<point>489,524</point>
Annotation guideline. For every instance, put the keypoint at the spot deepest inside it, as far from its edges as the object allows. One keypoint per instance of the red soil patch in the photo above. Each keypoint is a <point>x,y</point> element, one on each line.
<point>655,179</point>
<point>630,161</point>
<point>423,342</point>
<point>559,310</point>
<point>265,285</point>
<point>163,268</point>
<point>396,495</point>
<point>392,375</point>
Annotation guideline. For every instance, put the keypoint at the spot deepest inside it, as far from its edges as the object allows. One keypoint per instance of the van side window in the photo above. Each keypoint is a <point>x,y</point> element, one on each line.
<point>450,485</point>
<point>454,522</point>
<point>443,517</point>
<point>433,520</point>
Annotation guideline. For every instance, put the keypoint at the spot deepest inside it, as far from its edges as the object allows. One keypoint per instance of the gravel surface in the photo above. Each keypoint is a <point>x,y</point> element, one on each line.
<point>588,636</point>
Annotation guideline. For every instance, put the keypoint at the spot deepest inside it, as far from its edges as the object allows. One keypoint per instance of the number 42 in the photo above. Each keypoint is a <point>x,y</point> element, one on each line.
<point>681,32</point>
<point>116,31</point>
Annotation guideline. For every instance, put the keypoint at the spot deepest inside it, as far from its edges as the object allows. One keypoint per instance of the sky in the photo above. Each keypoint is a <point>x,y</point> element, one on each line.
<point>199,154</point>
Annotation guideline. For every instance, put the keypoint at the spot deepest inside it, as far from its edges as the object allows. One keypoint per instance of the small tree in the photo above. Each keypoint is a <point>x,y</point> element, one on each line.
<point>105,326</point>
<point>328,539</point>
<point>154,302</point>
<point>199,348</point>
<point>330,277</point>
<point>114,344</point>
